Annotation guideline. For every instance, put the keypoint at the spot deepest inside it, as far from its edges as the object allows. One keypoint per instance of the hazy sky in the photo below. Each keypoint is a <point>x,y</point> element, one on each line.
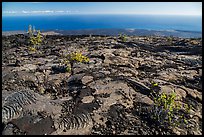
<point>52,8</point>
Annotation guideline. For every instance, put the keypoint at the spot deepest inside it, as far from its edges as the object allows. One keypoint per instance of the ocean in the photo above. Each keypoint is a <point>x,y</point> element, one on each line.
<point>78,22</point>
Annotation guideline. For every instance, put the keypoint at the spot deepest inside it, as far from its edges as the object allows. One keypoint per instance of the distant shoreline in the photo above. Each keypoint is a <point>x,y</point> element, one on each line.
<point>116,32</point>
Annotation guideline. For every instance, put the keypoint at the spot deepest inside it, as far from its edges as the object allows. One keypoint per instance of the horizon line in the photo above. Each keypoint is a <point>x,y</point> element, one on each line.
<point>101,14</point>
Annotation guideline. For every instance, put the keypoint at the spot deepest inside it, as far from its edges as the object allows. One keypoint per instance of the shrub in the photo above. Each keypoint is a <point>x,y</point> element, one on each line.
<point>166,112</point>
<point>72,58</point>
<point>32,49</point>
<point>68,69</point>
<point>36,40</point>
<point>123,37</point>
<point>77,57</point>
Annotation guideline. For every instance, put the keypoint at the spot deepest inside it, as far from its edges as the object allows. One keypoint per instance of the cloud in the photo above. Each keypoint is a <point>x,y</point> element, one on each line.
<point>68,11</point>
<point>34,2</point>
<point>10,12</point>
<point>25,12</point>
<point>37,11</point>
<point>41,12</point>
<point>60,11</point>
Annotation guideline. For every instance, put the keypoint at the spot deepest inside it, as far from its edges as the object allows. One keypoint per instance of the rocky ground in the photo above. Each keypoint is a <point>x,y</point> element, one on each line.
<point>110,94</point>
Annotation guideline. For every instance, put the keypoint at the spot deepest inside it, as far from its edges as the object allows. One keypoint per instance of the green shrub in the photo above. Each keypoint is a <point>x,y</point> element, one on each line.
<point>68,69</point>
<point>166,112</point>
<point>72,58</point>
<point>122,37</point>
<point>77,57</point>
<point>32,49</point>
<point>36,40</point>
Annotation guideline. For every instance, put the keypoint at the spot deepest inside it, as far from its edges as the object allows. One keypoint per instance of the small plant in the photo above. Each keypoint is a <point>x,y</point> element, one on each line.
<point>154,84</point>
<point>32,49</point>
<point>166,112</point>
<point>123,37</point>
<point>72,58</point>
<point>34,40</point>
<point>68,69</point>
<point>77,57</point>
<point>68,65</point>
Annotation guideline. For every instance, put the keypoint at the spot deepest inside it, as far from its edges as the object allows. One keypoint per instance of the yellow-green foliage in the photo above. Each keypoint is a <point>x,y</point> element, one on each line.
<point>68,69</point>
<point>36,40</point>
<point>123,37</point>
<point>155,84</point>
<point>167,102</point>
<point>67,64</point>
<point>77,57</point>
<point>166,111</point>
<point>71,58</point>
<point>32,49</point>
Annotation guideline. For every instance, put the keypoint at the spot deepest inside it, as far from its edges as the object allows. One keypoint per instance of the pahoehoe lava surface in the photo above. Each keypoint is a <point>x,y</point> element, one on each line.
<point>107,96</point>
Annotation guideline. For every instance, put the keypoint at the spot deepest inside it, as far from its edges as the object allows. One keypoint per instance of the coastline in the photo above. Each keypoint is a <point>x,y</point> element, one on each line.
<point>116,32</point>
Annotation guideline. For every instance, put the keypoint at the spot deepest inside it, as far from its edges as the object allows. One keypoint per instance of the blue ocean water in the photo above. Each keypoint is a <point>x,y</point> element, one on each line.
<point>73,22</point>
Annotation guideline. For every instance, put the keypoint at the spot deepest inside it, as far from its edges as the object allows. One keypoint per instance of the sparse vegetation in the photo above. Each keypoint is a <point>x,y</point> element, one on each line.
<point>72,58</point>
<point>122,37</point>
<point>170,40</point>
<point>34,40</point>
<point>131,84</point>
<point>68,69</point>
<point>167,112</point>
<point>32,49</point>
<point>77,57</point>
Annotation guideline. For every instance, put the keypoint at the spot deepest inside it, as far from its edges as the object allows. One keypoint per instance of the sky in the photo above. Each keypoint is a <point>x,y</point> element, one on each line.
<point>59,8</point>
